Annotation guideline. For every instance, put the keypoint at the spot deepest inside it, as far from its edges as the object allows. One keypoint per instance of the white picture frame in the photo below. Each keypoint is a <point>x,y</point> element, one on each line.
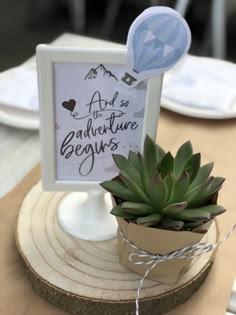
<point>52,62</point>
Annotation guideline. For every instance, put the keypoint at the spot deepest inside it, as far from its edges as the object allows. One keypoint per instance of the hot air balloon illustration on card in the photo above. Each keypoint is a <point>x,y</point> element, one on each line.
<point>157,39</point>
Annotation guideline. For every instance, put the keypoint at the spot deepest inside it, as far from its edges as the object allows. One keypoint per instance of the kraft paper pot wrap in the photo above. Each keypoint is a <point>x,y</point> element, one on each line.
<point>157,241</point>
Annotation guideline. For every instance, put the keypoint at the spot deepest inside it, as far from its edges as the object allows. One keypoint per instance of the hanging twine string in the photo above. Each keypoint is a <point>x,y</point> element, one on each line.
<point>141,257</point>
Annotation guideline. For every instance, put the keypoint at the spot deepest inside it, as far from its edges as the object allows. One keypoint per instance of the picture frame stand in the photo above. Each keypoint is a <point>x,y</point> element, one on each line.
<point>86,216</point>
<point>85,117</point>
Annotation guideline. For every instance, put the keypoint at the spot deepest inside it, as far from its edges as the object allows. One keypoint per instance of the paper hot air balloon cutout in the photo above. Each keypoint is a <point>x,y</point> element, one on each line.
<point>157,39</point>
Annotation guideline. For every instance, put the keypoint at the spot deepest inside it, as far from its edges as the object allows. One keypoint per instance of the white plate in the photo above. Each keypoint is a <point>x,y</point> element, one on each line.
<point>194,111</point>
<point>19,118</point>
<point>15,116</point>
<point>198,112</point>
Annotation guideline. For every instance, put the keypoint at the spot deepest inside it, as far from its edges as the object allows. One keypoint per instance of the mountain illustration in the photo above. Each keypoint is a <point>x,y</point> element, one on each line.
<point>99,71</point>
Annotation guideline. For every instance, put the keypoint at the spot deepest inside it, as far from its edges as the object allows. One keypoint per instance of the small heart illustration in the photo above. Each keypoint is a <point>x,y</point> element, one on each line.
<point>69,105</point>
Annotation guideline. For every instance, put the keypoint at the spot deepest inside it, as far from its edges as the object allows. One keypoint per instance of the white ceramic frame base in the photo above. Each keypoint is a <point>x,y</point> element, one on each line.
<point>86,215</point>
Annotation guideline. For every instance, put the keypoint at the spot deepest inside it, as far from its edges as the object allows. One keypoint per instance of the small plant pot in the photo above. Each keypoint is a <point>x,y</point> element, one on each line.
<point>155,186</point>
<point>157,241</point>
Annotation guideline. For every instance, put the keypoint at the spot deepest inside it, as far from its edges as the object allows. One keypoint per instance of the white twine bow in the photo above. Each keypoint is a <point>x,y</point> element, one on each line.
<point>190,251</point>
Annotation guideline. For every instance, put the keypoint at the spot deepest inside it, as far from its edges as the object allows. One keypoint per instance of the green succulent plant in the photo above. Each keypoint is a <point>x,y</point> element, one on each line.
<point>159,190</point>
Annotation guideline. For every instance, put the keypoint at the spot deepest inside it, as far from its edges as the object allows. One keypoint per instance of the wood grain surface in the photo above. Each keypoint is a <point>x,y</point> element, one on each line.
<point>85,277</point>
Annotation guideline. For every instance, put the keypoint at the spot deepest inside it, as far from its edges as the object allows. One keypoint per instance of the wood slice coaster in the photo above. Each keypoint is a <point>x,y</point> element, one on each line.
<point>85,277</point>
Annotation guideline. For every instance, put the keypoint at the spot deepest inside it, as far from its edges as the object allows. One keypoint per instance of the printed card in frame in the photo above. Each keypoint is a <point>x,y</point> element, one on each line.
<point>86,115</point>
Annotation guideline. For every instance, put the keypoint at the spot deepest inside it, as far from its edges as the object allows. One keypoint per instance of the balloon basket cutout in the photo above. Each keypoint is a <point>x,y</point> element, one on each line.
<point>157,39</point>
<point>86,215</point>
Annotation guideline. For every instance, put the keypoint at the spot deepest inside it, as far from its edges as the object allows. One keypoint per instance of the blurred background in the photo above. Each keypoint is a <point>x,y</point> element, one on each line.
<point>26,23</point>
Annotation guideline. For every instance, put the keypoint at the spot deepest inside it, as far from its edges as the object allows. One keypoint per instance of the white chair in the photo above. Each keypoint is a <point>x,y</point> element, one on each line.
<point>216,25</point>
<point>77,12</point>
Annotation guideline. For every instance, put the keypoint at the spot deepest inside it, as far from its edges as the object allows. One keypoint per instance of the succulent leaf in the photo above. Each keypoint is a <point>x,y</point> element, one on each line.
<point>174,208</point>
<point>216,185</point>
<point>134,188</point>
<point>169,181</point>
<point>118,189</point>
<point>149,220</point>
<point>121,162</point>
<point>202,175</point>
<point>180,187</point>
<point>137,208</point>
<point>170,224</point>
<point>119,212</point>
<point>204,193</point>
<point>160,153</point>
<point>148,161</point>
<point>157,192</point>
<point>192,215</point>
<point>166,165</point>
<point>213,210</point>
<point>149,155</point>
<point>134,160</point>
<point>182,155</point>
<point>195,194</point>
<point>193,162</point>
<point>124,165</point>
